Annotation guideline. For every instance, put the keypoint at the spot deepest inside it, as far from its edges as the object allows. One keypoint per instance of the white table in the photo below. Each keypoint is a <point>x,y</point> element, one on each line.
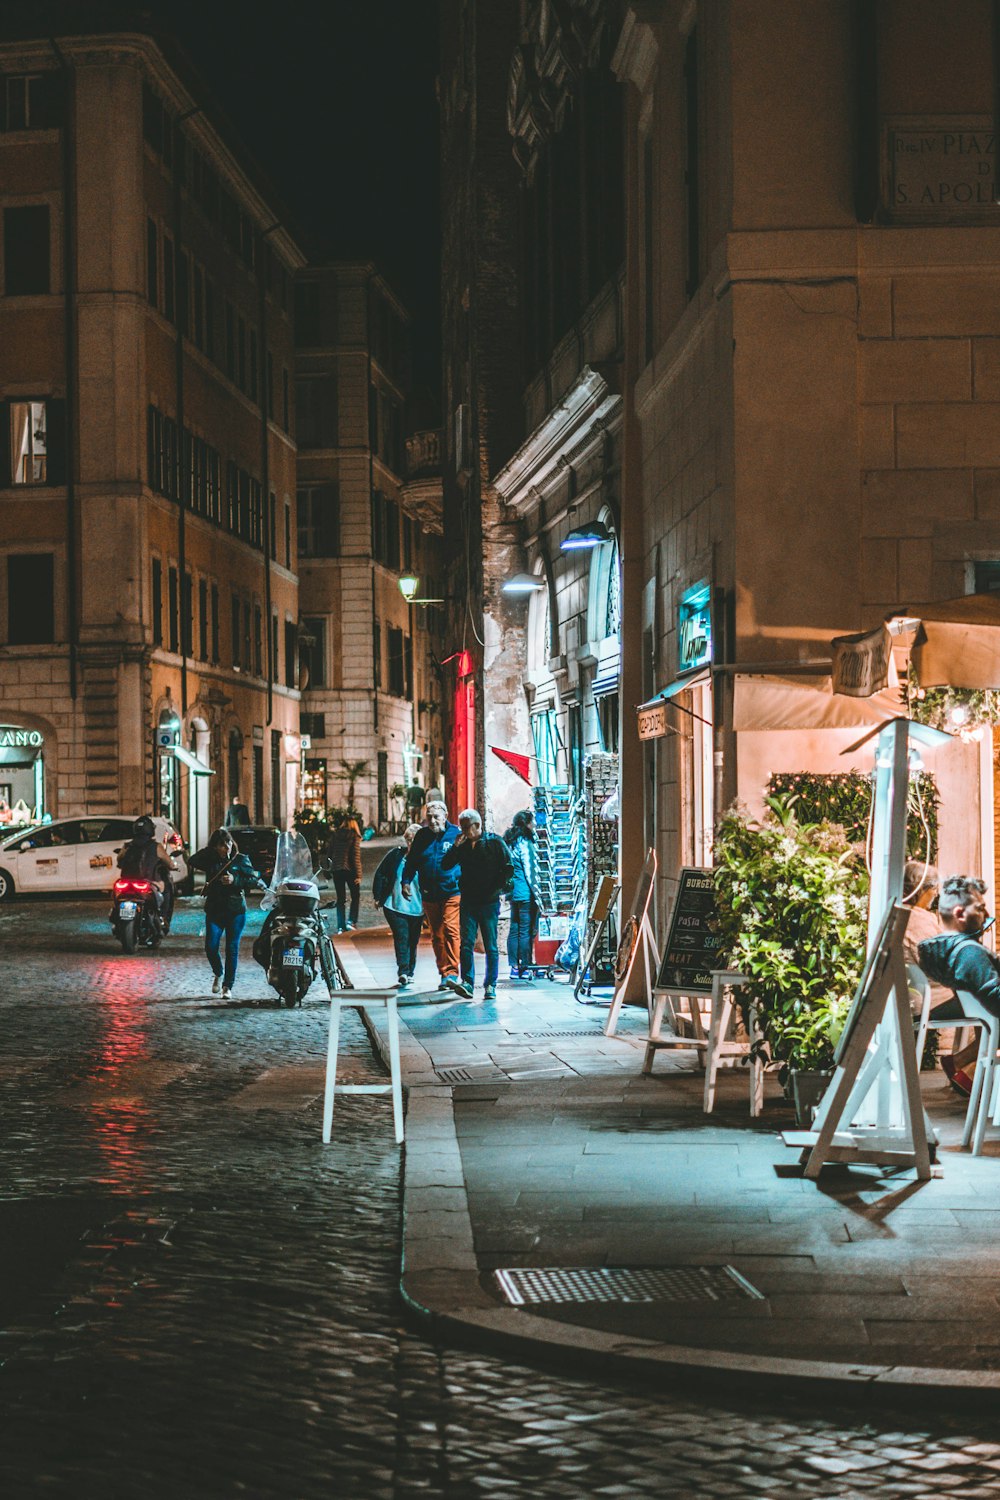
<point>362,1000</point>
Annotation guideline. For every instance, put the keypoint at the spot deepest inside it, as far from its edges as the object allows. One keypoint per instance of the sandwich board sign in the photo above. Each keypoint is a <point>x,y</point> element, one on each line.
<point>691,950</point>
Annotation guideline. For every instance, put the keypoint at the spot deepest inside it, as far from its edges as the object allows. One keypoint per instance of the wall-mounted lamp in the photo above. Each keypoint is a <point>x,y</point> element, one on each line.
<point>408,585</point>
<point>523,583</point>
<point>590,535</point>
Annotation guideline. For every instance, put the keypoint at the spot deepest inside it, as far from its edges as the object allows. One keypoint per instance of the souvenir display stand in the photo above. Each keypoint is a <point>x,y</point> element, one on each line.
<point>600,920</point>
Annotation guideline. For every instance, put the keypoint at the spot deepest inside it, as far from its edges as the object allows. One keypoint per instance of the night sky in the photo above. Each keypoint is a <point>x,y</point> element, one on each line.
<point>336,101</point>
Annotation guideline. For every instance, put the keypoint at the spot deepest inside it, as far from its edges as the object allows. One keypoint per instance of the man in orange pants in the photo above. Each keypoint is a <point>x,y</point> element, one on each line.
<point>438,887</point>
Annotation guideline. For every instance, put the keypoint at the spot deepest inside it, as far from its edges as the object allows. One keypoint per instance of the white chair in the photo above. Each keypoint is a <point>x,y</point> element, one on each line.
<point>984,1100</point>
<point>349,999</point>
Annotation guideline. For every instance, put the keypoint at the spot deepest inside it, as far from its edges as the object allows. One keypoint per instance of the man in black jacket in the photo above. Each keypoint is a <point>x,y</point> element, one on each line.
<point>485,869</point>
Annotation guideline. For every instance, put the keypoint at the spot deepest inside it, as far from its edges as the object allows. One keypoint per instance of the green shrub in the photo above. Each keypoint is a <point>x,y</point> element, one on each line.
<point>792,903</point>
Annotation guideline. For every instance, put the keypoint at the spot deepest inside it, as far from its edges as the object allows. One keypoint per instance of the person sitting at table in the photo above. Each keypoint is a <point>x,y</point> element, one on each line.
<point>958,959</point>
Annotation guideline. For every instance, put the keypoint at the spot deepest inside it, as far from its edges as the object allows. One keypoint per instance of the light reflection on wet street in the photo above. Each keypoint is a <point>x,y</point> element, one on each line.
<point>198,1300</point>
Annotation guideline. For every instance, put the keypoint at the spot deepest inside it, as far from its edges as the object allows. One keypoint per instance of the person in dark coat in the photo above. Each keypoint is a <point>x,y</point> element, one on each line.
<point>237,814</point>
<point>486,870</point>
<point>143,858</point>
<point>229,875</point>
<point>343,857</point>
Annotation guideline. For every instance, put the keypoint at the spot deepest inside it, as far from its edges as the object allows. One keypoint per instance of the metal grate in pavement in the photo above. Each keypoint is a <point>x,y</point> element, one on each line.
<point>622,1284</point>
<point>543,1036</point>
<point>469,1075</point>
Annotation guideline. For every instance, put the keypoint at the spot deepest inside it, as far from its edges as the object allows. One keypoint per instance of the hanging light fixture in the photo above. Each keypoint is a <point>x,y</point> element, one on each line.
<point>590,535</point>
<point>523,583</point>
<point>408,585</point>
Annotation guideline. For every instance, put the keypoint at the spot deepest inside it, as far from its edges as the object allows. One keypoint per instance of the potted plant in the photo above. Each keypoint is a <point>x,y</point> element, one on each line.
<point>792,903</point>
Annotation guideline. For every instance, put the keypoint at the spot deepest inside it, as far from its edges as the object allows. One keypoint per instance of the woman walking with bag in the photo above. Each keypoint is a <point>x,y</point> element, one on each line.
<point>525,893</point>
<point>404,914</point>
<point>343,855</point>
<point>229,875</point>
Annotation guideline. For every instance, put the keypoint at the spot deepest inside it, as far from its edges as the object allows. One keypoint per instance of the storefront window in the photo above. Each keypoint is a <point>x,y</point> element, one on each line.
<point>314,787</point>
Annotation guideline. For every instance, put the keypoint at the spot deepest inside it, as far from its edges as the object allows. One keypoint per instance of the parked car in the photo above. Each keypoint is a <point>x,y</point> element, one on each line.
<point>259,844</point>
<point>76,854</point>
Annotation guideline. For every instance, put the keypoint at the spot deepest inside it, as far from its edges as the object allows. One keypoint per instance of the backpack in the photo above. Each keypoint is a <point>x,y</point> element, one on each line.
<point>385,876</point>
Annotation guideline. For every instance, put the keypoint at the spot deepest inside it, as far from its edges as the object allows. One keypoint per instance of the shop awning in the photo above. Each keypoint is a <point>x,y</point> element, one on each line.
<point>806,702</point>
<point>957,642</point>
<point>679,685</point>
<point>198,767</point>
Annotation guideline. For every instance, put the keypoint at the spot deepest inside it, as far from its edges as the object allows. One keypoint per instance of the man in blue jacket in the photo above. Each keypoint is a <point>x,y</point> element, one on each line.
<point>438,887</point>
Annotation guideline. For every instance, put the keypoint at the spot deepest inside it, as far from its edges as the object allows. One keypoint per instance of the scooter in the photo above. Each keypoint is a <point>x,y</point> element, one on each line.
<point>135,914</point>
<point>294,946</point>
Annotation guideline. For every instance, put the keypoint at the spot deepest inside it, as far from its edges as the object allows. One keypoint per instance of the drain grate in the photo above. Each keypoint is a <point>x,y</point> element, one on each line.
<point>470,1075</point>
<point>621,1284</point>
<point>543,1036</point>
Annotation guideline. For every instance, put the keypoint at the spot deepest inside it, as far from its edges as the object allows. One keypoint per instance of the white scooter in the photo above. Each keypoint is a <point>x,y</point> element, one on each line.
<point>294,946</point>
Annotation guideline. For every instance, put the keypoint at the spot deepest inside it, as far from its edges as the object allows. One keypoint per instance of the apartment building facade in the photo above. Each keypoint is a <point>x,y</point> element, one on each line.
<point>371,699</point>
<point>149,624</point>
<point>810,436</point>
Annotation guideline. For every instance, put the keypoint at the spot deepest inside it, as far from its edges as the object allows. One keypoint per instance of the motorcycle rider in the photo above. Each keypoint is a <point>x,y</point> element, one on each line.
<point>143,858</point>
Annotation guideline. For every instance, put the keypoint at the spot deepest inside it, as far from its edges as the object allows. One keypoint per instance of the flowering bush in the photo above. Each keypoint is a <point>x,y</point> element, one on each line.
<point>792,903</point>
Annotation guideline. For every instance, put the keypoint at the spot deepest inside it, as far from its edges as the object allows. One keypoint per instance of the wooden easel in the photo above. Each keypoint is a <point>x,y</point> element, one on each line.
<point>634,981</point>
<point>877,1042</point>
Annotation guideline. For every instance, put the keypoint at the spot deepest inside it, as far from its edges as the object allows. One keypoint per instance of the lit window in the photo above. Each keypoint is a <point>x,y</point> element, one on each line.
<point>27,442</point>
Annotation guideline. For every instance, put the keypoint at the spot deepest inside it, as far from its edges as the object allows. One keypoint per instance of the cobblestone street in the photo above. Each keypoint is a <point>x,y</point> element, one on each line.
<point>199,1300</point>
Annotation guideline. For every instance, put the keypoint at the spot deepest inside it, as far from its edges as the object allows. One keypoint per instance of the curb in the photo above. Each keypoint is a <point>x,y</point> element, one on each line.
<point>442,1291</point>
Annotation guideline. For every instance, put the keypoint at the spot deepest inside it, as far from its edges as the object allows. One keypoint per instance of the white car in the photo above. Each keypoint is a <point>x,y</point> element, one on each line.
<point>76,854</point>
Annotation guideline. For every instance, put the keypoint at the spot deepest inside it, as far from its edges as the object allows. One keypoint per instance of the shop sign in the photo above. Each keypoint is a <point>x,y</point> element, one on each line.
<point>694,628</point>
<point>940,167</point>
<point>652,721</point>
<point>861,662</point>
<point>17,739</point>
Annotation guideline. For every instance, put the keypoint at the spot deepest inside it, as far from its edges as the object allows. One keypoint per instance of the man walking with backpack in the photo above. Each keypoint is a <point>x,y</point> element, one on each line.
<point>485,867</point>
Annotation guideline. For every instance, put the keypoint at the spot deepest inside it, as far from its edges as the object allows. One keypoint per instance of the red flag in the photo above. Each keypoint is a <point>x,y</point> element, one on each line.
<point>519,764</point>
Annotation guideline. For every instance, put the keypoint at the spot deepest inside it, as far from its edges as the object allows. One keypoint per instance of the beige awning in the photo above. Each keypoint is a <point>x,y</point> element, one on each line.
<point>806,702</point>
<point>958,642</point>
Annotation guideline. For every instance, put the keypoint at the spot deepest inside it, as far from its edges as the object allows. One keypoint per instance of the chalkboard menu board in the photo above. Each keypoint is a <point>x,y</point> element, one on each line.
<point>691,952</point>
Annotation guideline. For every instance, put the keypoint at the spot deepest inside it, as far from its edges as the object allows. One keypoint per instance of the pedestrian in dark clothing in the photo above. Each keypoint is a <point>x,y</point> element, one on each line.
<point>237,814</point>
<point>438,887</point>
<point>404,914</point>
<point>144,858</point>
<point>525,893</point>
<point>415,801</point>
<point>229,875</point>
<point>343,856</point>
<point>486,869</point>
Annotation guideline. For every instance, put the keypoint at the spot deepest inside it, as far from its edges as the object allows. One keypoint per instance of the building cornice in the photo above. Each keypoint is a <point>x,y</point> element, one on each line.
<point>588,407</point>
<point>132,47</point>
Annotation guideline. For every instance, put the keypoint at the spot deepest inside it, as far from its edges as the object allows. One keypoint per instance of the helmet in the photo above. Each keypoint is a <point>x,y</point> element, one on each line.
<point>143,828</point>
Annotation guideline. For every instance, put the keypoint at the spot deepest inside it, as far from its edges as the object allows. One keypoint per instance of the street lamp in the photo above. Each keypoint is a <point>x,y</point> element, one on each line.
<point>408,585</point>
<point>523,583</point>
<point>590,535</point>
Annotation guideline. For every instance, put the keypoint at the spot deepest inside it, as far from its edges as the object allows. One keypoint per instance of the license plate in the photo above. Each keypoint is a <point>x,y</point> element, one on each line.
<point>292,958</point>
<point>126,910</point>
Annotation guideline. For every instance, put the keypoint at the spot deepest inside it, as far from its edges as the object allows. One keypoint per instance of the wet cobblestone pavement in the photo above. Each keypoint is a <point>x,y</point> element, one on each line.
<point>198,1300</point>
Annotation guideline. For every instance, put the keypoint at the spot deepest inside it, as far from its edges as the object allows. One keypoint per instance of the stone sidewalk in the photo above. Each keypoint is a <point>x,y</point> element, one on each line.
<point>535,1142</point>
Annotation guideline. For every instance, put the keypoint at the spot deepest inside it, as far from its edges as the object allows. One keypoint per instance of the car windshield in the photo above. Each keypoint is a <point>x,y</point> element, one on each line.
<point>292,861</point>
